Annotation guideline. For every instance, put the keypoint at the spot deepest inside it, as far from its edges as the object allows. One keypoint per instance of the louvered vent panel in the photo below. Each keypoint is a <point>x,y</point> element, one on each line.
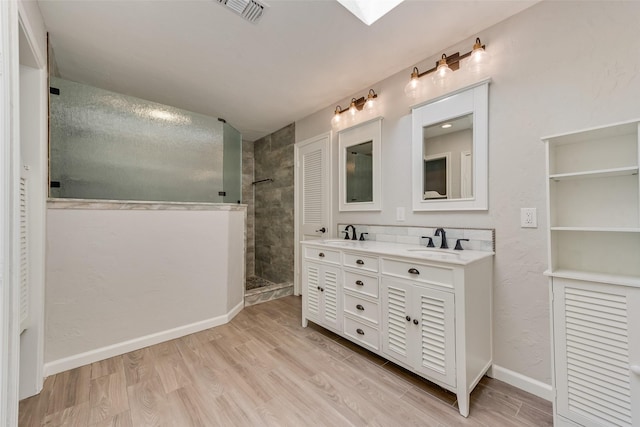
<point>251,10</point>
<point>331,295</point>
<point>312,193</point>
<point>397,324</point>
<point>598,356</point>
<point>24,257</point>
<point>313,304</point>
<point>433,333</point>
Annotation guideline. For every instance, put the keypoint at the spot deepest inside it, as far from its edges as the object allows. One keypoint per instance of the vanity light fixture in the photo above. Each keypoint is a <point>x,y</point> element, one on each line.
<point>445,66</point>
<point>358,106</point>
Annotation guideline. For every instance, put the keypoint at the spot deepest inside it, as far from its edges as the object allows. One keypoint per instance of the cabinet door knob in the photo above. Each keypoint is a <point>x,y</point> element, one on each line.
<point>321,289</point>
<point>635,369</point>
<point>359,283</point>
<point>318,287</point>
<point>415,321</point>
<point>321,255</point>
<point>408,318</point>
<point>359,262</point>
<point>360,307</point>
<point>360,331</point>
<point>413,271</point>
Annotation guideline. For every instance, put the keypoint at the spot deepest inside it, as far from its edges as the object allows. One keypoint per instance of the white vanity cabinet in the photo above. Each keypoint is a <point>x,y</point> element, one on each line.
<point>429,312</point>
<point>322,281</point>
<point>594,270</point>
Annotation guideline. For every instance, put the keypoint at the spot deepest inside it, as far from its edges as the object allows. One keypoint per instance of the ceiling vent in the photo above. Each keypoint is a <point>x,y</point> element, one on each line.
<point>251,10</point>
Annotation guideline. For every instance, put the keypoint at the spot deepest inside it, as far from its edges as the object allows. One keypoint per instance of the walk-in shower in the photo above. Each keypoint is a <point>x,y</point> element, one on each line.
<point>106,145</point>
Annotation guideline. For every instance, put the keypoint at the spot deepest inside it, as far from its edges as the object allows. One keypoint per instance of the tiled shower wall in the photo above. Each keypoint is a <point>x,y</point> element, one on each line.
<point>247,198</point>
<point>273,211</point>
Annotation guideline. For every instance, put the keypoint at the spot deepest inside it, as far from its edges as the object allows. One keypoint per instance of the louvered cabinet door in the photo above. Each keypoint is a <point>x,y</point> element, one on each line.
<point>396,329</point>
<point>596,351</point>
<point>311,290</point>
<point>330,290</point>
<point>436,334</point>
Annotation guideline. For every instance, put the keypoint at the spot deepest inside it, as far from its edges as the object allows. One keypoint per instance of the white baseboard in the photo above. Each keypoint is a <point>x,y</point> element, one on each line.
<point>538,388</point>
<point>88,357</point>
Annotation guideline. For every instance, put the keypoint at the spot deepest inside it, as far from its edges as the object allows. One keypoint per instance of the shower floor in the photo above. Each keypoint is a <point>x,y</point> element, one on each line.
<point>259,290</point>
<point>255,282</point>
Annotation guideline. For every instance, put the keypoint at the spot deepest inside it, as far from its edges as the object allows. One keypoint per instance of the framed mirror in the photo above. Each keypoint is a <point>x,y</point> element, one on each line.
<point>450,151</point>
<point>359,165</point>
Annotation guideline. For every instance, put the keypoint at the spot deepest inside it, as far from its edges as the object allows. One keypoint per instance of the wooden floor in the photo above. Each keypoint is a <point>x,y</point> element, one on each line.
<point>264,369</point>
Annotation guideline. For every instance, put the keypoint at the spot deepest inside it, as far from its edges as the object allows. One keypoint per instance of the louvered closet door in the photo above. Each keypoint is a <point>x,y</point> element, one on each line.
<point>396,302</point>
<point>596,344</point>
<point>24,256</point>
<point>314,191</point>
<point>436,331</point>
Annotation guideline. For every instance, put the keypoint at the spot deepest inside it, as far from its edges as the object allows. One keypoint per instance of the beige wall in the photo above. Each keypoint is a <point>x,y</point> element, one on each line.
<point>556,67</point>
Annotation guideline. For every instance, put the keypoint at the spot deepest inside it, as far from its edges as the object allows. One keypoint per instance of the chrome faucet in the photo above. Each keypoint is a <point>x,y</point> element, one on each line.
<point>440,232</point>
<point>346,233</point>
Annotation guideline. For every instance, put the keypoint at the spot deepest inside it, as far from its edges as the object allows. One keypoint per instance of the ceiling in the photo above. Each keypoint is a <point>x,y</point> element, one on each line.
<point>302,56</point>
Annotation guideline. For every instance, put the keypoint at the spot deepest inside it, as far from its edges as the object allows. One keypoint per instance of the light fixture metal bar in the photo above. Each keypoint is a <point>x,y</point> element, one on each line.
<point>453,61</point>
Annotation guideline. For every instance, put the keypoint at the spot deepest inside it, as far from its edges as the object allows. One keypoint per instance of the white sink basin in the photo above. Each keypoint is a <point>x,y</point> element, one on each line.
<point>340,242</point>
<point>435,253</point>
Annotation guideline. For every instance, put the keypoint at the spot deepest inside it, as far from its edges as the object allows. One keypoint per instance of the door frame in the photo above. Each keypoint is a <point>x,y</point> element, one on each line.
<point>9,178</point>
<point>297,197</point>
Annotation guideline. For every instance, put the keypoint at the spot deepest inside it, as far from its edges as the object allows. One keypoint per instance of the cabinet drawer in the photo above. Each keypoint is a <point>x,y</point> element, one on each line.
<point>362,333</point>
<point>362,308</point>
<point>361,283</point>
<point>432,274</point>
<point>317,254</point>
<point>361,262</point>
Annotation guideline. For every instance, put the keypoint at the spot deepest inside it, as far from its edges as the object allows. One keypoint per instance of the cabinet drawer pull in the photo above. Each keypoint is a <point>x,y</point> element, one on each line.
<point>321,255</point>
<point>359,283</point>
<point>360,331</point>
<point>408,318</point>
<point>415,321</point>
<point>359,262</point>
<point>360,307</point>
<point>413,271</point>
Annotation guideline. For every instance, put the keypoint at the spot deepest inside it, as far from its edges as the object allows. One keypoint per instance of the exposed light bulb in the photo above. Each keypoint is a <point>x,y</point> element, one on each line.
<point>412,89</point>
<point>371,104</point>
<point>446,126</point>
<point>479,58</point>
<point>336,121</point>
<point>440,76</point>
<point>353,110</point>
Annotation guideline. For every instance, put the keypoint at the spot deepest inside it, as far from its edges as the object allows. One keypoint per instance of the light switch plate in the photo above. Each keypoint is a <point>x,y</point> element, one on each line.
<point>400,214</point>
<point>528,218</point>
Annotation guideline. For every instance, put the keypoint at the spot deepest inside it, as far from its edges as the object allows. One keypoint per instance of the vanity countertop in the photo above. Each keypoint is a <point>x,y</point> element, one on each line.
<point>416,252</point>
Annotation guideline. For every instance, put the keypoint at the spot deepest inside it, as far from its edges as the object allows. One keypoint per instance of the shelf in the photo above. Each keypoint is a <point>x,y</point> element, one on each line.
<point>600,132</point>
<point>613,279</point>
<point>599,229</point>
<point>602,173</point>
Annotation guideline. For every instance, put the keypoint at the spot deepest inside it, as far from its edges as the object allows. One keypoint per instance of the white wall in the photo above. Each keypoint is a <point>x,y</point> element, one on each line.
<point>556,67</point>
<point>124,279</point>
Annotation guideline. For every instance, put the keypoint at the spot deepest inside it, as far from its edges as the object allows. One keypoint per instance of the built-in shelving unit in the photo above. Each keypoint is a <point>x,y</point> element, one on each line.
<point>594,268</point>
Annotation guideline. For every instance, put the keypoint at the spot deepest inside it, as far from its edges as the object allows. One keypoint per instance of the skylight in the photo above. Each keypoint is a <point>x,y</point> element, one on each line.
<point>369,11</point>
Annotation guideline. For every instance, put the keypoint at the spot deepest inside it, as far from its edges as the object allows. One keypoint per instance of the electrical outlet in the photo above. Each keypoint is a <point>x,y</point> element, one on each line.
<point>528,218</point>
<point>400,214</point>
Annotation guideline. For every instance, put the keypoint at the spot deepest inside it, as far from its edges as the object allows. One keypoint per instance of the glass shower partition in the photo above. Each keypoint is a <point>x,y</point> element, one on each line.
<point>109,146</point>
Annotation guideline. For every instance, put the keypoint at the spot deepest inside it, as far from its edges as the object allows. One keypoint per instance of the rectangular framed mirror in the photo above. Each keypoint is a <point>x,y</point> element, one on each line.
<point>359,166</point>
<point>450,151</point>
